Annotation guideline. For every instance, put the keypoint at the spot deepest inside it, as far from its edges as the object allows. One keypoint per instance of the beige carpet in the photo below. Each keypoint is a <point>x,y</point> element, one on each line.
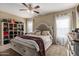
<point>9,52</point>
<point>54,50</point>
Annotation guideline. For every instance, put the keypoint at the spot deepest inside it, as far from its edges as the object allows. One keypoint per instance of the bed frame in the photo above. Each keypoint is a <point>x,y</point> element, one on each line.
<point>25,50</point>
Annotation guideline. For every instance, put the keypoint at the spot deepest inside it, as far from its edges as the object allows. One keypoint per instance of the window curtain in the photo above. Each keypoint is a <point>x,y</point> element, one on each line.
<point>73,21</point>
<point>63,23</point>
<point>29,25</point>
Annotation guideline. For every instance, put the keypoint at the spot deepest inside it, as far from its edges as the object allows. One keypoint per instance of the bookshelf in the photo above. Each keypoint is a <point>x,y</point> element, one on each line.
<point>9,30</point>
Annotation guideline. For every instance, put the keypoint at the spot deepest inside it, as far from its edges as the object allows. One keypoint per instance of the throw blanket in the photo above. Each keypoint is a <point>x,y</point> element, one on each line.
<point>39,41</point>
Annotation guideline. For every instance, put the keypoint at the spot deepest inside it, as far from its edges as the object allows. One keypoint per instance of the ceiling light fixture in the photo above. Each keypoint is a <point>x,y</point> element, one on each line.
<point>30,11</point>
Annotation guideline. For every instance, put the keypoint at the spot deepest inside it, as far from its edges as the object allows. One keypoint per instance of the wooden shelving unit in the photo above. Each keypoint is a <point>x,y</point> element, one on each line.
<point>10,30</point>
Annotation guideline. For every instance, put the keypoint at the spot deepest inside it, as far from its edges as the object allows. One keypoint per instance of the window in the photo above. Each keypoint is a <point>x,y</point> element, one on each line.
<point>29,25</point>
<point>62,28</point>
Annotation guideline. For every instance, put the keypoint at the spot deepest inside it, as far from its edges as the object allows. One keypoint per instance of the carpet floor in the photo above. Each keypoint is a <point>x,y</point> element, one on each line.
<point>57,50</point>
<point>9,52</point>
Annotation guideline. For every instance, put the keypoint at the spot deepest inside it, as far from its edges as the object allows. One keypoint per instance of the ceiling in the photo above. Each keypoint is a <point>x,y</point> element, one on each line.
<point>13,8</point>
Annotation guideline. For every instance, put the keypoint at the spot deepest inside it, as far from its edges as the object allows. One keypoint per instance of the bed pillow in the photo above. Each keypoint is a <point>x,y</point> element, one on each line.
<point>37,33</point>
<point>45,32</point>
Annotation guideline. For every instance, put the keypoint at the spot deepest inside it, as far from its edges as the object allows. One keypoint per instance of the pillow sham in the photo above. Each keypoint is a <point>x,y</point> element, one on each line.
<point>37,33</point>
<point>45,32</point>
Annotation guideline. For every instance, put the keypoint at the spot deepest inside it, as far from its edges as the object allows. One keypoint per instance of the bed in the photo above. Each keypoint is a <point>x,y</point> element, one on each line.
<point>27,47</point>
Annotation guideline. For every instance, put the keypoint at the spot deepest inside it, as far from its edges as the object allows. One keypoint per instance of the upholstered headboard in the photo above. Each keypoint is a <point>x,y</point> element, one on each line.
<point>43,27</point>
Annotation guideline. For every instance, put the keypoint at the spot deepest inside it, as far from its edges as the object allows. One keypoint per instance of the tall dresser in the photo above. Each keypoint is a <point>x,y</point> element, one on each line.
<point>73,45</point>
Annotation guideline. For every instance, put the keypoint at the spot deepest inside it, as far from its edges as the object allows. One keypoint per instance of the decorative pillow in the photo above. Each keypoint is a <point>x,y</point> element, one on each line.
<point>37,33</point>
<point>45,32</point>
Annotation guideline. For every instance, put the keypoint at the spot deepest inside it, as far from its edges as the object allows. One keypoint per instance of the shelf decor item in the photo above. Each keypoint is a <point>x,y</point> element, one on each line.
<point>12,21</point>
<point>5,33</point>
<point>4,20</point>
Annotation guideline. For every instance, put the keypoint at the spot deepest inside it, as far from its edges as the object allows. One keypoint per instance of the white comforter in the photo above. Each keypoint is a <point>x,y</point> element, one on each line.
<point>30,43</point>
